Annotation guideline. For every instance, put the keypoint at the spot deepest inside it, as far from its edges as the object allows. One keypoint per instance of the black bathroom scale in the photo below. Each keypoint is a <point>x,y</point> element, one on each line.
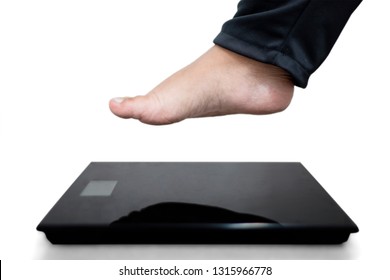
<point>196,203</point>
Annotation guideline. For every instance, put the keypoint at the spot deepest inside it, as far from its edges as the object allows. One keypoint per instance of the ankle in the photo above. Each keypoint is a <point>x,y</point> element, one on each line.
<point>261,88</point>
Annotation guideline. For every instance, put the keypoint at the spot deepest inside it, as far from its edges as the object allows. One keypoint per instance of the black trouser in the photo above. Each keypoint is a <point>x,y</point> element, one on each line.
<point>296,35</point>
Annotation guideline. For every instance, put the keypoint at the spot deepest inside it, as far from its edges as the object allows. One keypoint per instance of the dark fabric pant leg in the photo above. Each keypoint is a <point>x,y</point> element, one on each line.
<point>296,35</point>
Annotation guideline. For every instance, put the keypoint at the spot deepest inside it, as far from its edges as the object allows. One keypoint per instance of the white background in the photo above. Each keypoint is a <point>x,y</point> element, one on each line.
<point>61,62</point>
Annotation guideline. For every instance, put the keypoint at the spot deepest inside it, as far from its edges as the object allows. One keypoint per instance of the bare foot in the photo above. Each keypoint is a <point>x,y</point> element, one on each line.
<point>220,82</point>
